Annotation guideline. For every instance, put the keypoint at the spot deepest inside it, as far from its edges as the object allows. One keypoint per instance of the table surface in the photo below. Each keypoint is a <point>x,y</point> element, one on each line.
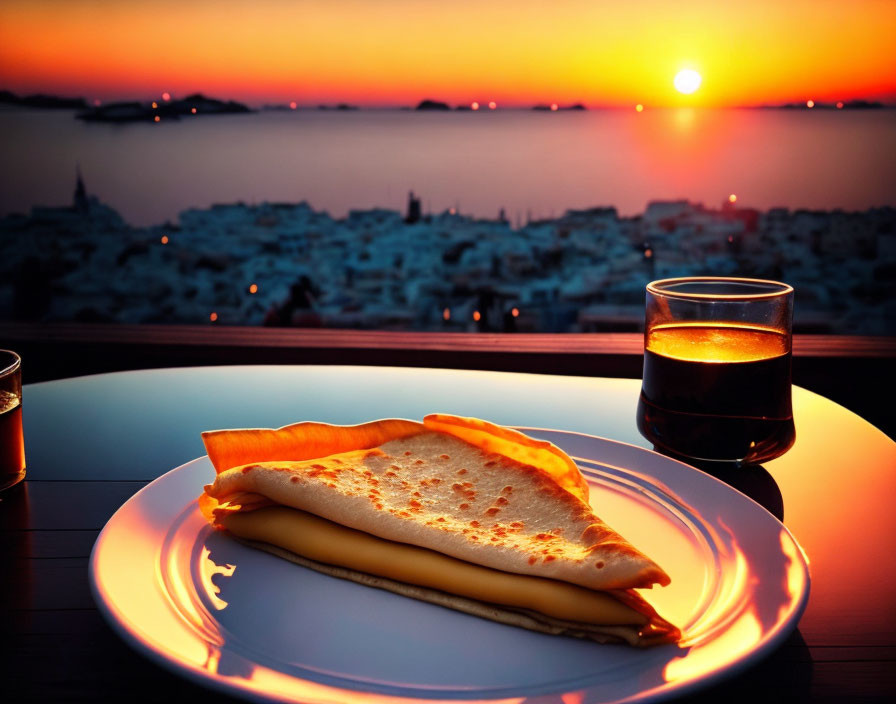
<point>92,442</point>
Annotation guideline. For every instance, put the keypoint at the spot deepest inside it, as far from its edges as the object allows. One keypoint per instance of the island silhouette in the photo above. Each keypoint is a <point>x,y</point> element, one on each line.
<point>155,111</point>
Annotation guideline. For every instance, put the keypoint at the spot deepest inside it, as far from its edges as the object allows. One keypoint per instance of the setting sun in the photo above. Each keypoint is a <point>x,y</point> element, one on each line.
<point>687,81</point>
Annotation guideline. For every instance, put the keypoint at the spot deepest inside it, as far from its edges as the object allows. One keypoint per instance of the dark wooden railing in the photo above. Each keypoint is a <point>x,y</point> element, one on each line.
<point>854,371</point>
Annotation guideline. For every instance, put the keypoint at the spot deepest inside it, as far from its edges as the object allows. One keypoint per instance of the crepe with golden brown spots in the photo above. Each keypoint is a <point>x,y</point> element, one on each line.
<point>459,487</point>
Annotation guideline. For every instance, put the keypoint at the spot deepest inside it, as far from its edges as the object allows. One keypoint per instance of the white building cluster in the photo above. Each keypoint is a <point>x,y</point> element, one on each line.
<point>244,265</point>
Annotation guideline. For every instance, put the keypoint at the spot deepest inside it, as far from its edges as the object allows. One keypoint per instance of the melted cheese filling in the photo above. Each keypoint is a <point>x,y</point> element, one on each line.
<point>321,540</point>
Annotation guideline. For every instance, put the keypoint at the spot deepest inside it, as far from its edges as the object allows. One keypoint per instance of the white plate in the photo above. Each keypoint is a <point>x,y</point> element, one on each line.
<point>250,624</point>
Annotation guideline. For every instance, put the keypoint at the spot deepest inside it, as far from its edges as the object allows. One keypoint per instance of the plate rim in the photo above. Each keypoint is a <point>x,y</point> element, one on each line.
<point>202,677</point>
<point>776,635</point>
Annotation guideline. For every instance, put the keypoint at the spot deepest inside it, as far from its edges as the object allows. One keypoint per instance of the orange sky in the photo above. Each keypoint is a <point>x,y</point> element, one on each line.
<point>395,52</point>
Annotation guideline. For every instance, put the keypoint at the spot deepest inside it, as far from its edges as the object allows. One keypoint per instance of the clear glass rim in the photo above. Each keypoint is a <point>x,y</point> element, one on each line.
<point>12,366</point>
<point>764,289</point>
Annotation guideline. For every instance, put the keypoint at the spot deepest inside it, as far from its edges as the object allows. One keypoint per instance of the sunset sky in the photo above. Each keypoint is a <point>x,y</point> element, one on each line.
<point>395,52</point>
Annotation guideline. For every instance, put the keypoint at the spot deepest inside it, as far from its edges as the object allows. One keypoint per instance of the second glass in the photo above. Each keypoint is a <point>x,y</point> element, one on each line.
<point>717,369</point>
<point>12,442</point>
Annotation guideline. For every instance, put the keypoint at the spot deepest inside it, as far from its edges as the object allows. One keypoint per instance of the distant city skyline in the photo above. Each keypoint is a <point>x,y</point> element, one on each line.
<point>397,52</point>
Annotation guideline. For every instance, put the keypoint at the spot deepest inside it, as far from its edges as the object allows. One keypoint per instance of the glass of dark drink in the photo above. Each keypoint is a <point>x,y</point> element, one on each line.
<point>12,442</point>
<point>717,358</point>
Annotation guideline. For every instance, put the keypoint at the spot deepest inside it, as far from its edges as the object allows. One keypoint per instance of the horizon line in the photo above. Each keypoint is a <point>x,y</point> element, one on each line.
<point>483,106</point>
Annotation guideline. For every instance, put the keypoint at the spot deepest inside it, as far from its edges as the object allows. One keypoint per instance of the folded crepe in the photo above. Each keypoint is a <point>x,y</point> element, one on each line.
<point>453,511</point>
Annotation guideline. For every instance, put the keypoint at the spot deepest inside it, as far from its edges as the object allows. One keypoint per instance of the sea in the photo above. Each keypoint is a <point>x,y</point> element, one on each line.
<point>528,164</point>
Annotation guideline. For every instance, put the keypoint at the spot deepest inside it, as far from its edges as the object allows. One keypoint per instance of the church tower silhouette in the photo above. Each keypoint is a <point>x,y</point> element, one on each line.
<point>81,203</point>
